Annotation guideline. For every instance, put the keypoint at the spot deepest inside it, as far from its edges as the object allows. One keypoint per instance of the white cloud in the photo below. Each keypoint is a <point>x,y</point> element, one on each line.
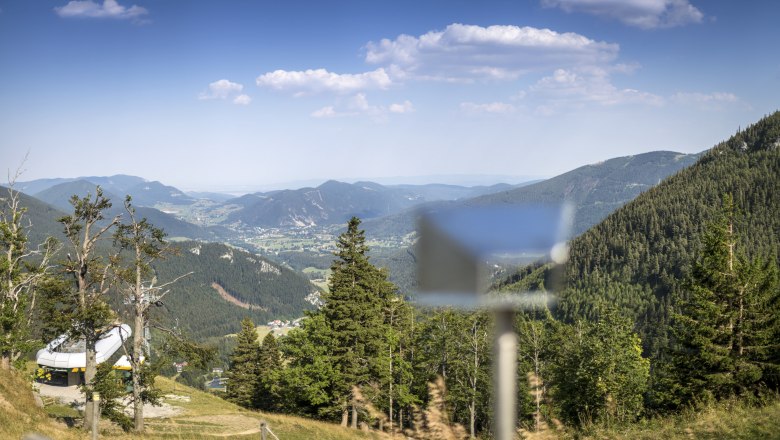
<point>320,80</point>
<point>492,107</point>
<point>358,105</point>
<point>687,98</point>
<point>467,52</point>
<point>325,112</point>
<point>645,14</point>
<point>577,88</point>
<point>242,100</point>
<point>109,9</point>
<point>709,101</point>
<point>404,107</point>
<point>225,89</point>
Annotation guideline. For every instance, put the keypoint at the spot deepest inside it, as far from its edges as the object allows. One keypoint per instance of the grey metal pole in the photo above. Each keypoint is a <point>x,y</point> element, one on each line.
<point>505,379</point>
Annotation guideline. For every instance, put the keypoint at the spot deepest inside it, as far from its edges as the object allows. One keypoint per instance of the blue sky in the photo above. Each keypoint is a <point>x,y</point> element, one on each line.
<point>228,94</point>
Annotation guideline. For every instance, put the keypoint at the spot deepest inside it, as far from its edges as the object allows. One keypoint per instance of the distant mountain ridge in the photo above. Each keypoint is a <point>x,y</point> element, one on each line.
<point>59,196</point>
<point>144,192</point>
<point>267,289</point>
<point>336,202</point>
<point>596,190</point>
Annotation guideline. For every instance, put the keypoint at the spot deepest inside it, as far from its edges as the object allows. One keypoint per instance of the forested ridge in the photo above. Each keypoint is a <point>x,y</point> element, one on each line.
<point>275,291</point>
<point>640,255</point>
<point>278,292</point>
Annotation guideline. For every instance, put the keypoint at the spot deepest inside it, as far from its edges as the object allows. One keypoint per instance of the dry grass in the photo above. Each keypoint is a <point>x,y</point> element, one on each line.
<point>19,415</point>
<point>204,416</point>
<point>728,420</point>
<point>208,417</point>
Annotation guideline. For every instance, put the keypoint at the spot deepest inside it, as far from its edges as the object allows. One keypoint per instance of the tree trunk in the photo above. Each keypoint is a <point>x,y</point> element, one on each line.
<point>5,362</point>
<point>345,417</point>
<point>390,410</point>
<point>91,414</point>
<point>135,363</point>
<point>472,419</point>
<point>354,416</point>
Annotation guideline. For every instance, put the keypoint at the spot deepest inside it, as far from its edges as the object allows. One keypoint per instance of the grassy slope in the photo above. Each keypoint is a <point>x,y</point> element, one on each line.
<point>204,417</point>
<point>19,415</point>
<point>208,417</point>
<point>729,420</point>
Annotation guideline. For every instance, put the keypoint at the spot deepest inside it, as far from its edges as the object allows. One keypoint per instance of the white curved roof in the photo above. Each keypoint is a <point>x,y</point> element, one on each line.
<point>106,346</point>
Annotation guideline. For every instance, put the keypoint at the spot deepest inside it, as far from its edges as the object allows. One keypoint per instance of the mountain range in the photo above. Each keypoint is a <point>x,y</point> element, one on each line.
<point>226,283</point>
<point>595,191</point>
<point>336,202</point>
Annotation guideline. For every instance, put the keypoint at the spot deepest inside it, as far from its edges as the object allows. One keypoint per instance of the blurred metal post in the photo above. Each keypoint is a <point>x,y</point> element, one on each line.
<point>505,378</point>
<point>454,250</point>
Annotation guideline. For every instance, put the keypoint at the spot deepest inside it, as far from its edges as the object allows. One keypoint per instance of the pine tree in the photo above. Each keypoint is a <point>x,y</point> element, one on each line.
<point>269,364</point>
<point>20,275</point>
<point>140,288</point>
<point>92,275</point>
<point>244,372</point>
<point>726,330</point>
<point>353,313</point>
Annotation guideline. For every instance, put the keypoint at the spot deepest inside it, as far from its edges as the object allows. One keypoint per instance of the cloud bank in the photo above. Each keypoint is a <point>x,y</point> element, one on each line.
<point>320,80</point>
<point>644,14</point>
<point>468,52</point>
<point>109,9</point>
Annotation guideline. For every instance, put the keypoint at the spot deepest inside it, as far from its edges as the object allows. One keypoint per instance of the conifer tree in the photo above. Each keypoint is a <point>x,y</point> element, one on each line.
<point>20,275</point>
<point>92,275</point>
<point>244,372</point>
<point>727,327</point>
<point>141,290</point>
<point>353,312</point>
<point>269,364</point>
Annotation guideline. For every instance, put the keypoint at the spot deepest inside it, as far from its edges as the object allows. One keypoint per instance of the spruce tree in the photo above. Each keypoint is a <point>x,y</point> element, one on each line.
<point>244,372</point>
<point>726,330</point>
<point>22,269</point>
<point>353,313</point>
<point>269,364</point>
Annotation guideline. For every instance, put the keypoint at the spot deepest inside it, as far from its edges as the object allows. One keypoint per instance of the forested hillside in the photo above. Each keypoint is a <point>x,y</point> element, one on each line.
<point>263,290</point>
<point>266,289</point>
<point>640,256</point>
<point>59,196</point>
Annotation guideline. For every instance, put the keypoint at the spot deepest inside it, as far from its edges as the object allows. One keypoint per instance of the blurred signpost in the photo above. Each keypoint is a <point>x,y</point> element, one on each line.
<point>454,249</point>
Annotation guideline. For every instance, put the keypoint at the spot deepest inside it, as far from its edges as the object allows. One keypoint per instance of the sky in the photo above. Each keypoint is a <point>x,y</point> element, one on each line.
<point>229,94</point>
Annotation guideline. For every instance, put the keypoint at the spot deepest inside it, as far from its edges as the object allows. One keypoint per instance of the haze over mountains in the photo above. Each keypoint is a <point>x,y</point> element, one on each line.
<point>336,202</point>
<point>595,190</point>
<point>388,212</point>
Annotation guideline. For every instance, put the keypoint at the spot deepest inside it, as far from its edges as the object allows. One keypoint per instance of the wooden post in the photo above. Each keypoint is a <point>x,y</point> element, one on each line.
<point>263,429</point>
<point>95,414</point>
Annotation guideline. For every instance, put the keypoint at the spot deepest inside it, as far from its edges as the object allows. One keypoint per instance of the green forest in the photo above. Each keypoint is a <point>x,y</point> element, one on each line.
<point>668,305</point>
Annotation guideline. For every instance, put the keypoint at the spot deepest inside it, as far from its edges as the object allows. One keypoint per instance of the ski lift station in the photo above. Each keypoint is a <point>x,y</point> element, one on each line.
<point>66,358</point>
